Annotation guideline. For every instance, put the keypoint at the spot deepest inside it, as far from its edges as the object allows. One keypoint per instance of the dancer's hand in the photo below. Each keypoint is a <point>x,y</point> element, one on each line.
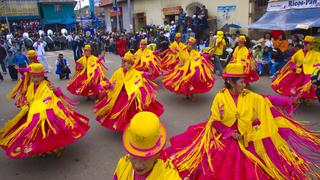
<point>237,136</point>
<point>297,100</point>
<point>51,86</point>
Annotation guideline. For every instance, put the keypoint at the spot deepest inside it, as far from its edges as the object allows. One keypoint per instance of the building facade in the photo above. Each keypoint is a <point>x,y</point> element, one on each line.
<point>146,12</point>
<point>19,10</point>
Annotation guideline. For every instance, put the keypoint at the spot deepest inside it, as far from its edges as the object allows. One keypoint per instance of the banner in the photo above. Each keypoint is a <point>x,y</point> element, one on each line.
<point>293,4</point>
<point>226,8</point>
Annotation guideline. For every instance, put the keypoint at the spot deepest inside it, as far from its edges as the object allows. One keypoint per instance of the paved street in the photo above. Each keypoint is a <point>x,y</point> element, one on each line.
<point>96,155</point>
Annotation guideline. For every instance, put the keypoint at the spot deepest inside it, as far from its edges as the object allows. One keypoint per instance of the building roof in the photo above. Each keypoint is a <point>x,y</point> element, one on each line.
<point>57,1</point>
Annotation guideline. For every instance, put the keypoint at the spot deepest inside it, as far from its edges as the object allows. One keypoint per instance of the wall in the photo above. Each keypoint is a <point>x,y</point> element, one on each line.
<point>50,11</point>
<point>153,10</point>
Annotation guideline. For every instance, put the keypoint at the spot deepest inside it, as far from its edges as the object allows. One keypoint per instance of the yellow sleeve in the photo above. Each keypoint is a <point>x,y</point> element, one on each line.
<point>267,127</point>
<point>215,108</point>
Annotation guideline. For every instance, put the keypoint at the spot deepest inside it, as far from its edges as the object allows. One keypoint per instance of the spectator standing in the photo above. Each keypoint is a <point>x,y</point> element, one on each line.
<point>188,35</point>
<point>162,42</point>
<point>3,55</point>
<point>12,65</point>
<point>233,41</point>
<point>69,40</point>
<point>20,59</point>
<point>220,45</point>
<point>39,46</point>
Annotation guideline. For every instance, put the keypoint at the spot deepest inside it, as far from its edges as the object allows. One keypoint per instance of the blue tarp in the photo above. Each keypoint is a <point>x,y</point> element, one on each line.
<point>289,19</point>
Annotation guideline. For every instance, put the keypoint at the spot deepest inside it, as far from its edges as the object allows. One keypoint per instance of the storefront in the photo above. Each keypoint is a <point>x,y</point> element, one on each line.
<point>290,15</point>
<point>171,13</point>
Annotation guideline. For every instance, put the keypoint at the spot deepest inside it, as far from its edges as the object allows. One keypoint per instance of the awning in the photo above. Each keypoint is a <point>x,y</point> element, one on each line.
<point>65,20</point>
<point>289,19</point>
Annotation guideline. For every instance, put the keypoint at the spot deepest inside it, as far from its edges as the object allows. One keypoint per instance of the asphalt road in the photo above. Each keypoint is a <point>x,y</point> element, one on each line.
<point>95,156</point>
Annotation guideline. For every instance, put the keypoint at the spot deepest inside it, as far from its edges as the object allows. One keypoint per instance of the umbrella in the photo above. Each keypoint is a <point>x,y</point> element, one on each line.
<point>232,26</point>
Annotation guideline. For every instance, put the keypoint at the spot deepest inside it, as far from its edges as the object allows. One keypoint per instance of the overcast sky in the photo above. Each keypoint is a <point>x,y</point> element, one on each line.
<point>83,3</point>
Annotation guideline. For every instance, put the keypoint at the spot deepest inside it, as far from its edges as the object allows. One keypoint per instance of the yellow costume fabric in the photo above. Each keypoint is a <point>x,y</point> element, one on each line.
<point>194,76</point>
<point>161,170</point>
<point>308,61</point>
<point>220,45</point>
<point>145,60</point>
<point>46,116</point>
<point>249,108</point>
<point>89,64</point>
<point>87,78</point>
<point>171,59</point>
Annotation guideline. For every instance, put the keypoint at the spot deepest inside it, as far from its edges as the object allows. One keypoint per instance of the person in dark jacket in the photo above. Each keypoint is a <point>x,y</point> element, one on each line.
<point>62,67</point>
<point>277,60</point>
<point>3,55</point>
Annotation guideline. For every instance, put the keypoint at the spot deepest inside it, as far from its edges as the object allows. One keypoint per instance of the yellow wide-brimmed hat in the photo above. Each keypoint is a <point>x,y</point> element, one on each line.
<point>178,35</point>
<point>309,39</point>
<point>242,38</point>
<point>129,57</point>
<point>31,53</point>
<point>234,70</point>
<point>143,41</point>
<point>36,68</point>
<point>220,33</point>
<point>192,40</point>
<point>87,47</point>
<point>145,136</point>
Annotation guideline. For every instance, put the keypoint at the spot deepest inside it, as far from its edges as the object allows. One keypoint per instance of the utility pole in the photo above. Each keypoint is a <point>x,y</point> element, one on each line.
<point>130,16</point>
<point>6,15</point>
<point>118,23</point>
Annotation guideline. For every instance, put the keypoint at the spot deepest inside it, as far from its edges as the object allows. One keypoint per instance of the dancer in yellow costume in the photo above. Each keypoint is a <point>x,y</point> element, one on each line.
<point>294,78</point>
<point>242,55</point>
<point>193,75</point>
<point>46,122</point>
<point>130,92</point>
<point>171,58</point>
<point>246,137</point>
<point>144,139</point>
<point>89,75</point>
<point>146,61</point>
<point>20,89</point>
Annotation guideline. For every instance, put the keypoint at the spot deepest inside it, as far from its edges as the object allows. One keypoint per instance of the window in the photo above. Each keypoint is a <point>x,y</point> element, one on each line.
<point>57,8</point>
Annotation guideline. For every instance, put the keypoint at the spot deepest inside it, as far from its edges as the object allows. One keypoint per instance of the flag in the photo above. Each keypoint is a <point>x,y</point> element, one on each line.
<point>115,5</point>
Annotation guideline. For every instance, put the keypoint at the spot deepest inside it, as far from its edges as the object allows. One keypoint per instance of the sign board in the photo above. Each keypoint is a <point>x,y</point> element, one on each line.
<point>293,4</point>
<point>113,13</point>
<point>171,10</point>
<point>226,8</point>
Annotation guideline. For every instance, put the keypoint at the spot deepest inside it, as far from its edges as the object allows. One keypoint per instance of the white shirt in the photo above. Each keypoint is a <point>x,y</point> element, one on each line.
<point>268,43</point>
<point>40,48</point>
<point>69,38</point>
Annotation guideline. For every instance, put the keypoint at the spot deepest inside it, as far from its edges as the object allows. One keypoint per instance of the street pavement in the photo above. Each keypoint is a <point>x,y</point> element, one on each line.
<point>96,155</point>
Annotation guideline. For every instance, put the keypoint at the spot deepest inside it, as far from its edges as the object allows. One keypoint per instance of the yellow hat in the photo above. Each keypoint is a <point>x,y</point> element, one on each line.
<point>87,47</point>
<point>36,68</point>
<point>309,39</point>
<point>242,38</point>
<point>152,46</point>
<point>220,33</point>
<point>129,57</point>
<point>192,40</point>
<point>145,136</point>
<point>178,35</point>
<point>143,41</point>
<point>31,53</point>
<point>234,70</point>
